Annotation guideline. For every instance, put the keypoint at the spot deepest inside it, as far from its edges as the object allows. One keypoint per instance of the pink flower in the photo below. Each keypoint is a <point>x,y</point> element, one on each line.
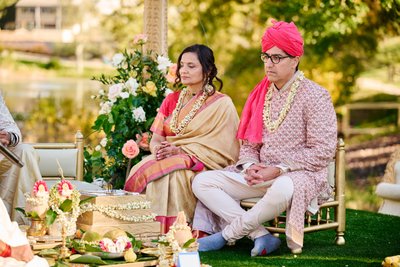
<point>143,141</point>
<point>40,189</point>
<point>140,39</point>
<point>65,188</point>
<point>171,75</point>
<point>130,149</point>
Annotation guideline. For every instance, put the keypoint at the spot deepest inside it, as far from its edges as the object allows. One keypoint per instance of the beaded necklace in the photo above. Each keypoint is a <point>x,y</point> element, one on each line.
<point>273,125</point>
<point>173,124</point>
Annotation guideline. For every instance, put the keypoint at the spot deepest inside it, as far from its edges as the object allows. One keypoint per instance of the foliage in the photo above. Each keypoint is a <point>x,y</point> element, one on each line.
<point>127,111</point>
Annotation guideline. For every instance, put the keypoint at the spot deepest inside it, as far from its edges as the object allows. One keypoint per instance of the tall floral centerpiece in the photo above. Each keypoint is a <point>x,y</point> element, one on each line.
<point>64,208</point>
<point>128,107</point>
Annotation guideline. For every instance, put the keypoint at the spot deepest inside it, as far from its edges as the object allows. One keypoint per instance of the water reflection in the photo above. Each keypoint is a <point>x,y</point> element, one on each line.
<point>51,110</point>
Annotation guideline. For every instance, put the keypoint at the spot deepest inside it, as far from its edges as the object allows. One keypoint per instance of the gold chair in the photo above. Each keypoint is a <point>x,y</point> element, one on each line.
<point>389,188</point>
<point>69,155</point>
<point>331,215</point>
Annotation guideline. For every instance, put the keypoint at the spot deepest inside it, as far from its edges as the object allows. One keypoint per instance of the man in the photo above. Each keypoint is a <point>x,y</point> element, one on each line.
<point>15,181</point>
<point>288,128</point>
<point>15,250</point>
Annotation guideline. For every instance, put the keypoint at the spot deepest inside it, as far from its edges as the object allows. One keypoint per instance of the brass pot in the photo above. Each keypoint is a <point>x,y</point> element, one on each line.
<point>37,228</point>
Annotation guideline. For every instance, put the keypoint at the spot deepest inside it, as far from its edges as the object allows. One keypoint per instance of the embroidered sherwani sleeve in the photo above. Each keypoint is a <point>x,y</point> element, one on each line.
<point>8,124</point>
<point>249,154</point>
<point>321,135</point>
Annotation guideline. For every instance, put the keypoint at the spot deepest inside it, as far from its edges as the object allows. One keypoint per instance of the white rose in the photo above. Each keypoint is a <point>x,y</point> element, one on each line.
<point>103,142</point>
<point>138,114</point>
<point>163,63</point>
<point>117,59</point>
<point>97,148</point>
<point>124,95</point>
<point>115,91</point>
<point>105,107</point>
<point>132,85</point>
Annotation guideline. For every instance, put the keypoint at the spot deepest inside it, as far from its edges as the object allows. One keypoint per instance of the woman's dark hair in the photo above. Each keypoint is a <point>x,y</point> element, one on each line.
<point>206,58</point>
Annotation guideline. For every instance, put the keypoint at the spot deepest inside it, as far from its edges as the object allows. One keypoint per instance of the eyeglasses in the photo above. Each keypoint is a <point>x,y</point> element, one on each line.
<point>274,58</point>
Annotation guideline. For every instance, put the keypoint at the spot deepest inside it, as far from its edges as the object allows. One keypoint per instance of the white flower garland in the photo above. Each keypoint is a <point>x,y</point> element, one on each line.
<point>173,124</point>
<point>273,125</point>
<point>111,211</point>
<point>36,201</point>
<point>67,218</point>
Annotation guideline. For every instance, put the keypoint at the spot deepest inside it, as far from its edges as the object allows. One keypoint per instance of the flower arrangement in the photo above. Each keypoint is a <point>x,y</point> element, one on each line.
<point>113,244</point>
<point>64,203</point>
<point>36,201</point>
<point>127,109</point>
<point>178,239</point>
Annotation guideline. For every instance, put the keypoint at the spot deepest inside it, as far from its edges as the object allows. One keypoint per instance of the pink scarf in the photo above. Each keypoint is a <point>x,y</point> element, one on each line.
<point>251,120</point>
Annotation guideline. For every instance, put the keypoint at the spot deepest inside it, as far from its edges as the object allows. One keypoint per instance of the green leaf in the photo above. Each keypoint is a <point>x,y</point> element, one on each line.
<point>88,259</point>
<point>22,211</point>
<point>188,243</point>
<point>66,206</point>
<point>33,214</point>
<point>85,200</point>
<point>50,217</point>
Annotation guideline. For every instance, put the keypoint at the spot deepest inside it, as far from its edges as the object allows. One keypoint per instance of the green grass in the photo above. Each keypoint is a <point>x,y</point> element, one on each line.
<point>370,237</point>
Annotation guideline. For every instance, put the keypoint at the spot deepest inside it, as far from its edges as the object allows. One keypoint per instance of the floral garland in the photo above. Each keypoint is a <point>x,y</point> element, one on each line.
<point>58,194</point>
<point>111,211</point>
<point>177,129</point>
<point>273,125</point>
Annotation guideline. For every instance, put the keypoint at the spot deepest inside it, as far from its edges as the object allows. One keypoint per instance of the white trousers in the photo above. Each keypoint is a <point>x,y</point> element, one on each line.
<point>15,181</point>
<point>221,192</point>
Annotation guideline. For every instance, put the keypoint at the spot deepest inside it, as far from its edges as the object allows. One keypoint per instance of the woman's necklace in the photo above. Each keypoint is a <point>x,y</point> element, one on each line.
<point>273,125</point>
<point>173,124</point>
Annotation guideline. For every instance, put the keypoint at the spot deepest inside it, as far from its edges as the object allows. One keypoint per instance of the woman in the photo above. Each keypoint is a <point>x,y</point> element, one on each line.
<point>193,131</point>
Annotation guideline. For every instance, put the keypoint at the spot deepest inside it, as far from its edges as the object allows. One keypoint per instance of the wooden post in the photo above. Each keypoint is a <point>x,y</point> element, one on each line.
<point>340,184</point>
<point>155,25</point>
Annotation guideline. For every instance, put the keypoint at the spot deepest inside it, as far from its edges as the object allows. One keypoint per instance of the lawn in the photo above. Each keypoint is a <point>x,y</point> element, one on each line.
<point>370,237</point>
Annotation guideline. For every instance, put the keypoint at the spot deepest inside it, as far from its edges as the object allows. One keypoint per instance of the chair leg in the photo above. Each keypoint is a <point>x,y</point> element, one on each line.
<point>340,238</point>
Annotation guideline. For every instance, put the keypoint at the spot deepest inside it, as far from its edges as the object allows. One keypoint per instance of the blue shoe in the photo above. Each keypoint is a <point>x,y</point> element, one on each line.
<point>211,242</point>
<point>265,244</point>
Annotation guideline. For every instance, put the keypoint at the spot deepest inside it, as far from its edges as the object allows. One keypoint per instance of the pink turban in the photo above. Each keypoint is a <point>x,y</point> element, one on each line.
<point>285,36</point>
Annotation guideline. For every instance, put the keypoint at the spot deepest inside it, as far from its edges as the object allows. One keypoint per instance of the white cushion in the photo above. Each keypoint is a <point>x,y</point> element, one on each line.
<point>397,172</point>
<point>387,190</point>
<point>48,162</point>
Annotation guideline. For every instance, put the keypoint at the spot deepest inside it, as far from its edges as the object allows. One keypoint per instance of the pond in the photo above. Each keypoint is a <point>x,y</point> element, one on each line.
<point>51,109</point>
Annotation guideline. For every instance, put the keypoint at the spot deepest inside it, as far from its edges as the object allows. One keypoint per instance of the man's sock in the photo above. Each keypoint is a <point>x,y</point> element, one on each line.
<point>211,242</point>
<point>264,245</point>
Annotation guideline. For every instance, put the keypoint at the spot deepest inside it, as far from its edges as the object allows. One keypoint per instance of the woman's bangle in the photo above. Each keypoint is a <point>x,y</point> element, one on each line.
<point>6,251</point>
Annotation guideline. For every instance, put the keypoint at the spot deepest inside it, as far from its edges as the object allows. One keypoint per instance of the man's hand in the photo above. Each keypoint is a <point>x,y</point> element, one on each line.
<point>5,138</point>
<point>22,253</point>
<point>259,173</point>
<point>167,150</point>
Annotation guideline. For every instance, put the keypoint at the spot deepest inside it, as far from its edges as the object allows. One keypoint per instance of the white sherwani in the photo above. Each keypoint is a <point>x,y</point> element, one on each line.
<point>12,235</point>
<point>15,181</point>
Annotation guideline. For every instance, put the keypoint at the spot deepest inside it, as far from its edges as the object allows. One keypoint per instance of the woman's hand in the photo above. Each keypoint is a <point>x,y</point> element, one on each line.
<point>165,150</point>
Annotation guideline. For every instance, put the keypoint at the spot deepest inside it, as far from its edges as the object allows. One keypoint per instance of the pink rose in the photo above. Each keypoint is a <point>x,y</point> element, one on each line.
<point>140,39</point>
<point>171,75</point>
<point>130,149</point>
<point>143,141</point>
